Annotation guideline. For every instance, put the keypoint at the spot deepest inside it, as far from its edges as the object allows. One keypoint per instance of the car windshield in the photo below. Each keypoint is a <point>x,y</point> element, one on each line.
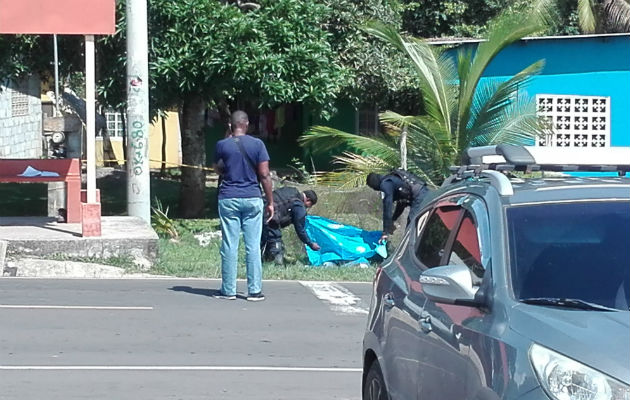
<point>575,251</point>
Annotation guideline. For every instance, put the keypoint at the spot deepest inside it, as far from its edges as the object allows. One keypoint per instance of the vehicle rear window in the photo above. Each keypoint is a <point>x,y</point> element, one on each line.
<point>571,250</point>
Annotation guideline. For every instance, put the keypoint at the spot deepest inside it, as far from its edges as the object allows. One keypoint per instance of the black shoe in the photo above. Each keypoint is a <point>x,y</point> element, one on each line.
<point>224,296</point>
<point>256,297</point>
<point>279,259</point>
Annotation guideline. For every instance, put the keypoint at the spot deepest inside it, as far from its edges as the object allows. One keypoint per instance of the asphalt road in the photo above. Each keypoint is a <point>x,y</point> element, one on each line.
<point>170,339</point>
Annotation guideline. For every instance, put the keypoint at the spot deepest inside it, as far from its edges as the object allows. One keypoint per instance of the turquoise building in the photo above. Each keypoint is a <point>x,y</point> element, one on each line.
<point>584,88</point>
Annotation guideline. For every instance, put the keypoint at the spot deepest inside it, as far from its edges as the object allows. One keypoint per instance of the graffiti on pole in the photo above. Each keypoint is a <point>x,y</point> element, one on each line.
<point>137,144</point>
<point>137,138</point>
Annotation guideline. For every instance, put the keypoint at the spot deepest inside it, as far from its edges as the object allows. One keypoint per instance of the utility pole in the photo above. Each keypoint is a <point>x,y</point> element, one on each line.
<point>56,112</point>
<point>138,175</point>
<point>90,103</point>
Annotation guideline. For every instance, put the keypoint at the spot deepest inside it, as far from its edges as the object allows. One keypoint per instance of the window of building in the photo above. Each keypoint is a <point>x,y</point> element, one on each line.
<point>577,121</point>
<point>19,103</point>
<point>115,123</point>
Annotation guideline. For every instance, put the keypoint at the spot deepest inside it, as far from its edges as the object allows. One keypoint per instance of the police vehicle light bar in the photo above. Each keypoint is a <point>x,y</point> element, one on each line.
<point>553,158</point>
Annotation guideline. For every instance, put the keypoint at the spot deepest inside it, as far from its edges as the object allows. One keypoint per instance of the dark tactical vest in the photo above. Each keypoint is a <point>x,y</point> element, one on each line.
<point>283,199</point>
<point>412,185</point>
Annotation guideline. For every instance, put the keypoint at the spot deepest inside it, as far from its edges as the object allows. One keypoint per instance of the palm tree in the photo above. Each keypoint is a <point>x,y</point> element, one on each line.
<point>459,112</point>
<point>594,16</point>
<point>600,16</point>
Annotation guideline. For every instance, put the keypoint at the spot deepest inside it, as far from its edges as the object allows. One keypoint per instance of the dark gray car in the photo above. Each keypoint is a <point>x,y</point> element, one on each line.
<point>506,289</point>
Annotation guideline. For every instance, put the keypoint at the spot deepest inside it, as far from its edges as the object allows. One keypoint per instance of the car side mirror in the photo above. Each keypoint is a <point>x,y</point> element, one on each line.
<point>450,284</point>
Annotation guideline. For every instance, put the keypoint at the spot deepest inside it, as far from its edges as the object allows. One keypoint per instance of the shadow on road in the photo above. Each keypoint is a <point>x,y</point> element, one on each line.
<point>202,292</point>
<point>199,291</point>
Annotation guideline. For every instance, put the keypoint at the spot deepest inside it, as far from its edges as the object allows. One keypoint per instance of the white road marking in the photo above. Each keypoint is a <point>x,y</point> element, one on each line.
<point>340,299</point>
<point>53,307</point>
<point>168,368</point>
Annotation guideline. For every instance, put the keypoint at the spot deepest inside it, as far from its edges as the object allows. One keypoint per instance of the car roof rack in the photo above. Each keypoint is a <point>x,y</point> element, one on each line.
<point>494,161</point>
<point>534,158</point>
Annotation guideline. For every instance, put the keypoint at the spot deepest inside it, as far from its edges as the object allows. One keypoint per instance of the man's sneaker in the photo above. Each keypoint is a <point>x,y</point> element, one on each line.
<point>256,297</point>
<point>225,296</point>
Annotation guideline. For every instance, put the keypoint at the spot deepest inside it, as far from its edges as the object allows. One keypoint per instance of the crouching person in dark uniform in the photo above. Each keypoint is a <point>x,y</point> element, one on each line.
<point>400,187</point>
<point>290,207</point>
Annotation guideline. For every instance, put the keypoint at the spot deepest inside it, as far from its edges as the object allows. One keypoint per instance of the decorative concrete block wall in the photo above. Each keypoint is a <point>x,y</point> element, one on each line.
<point>21,119</point>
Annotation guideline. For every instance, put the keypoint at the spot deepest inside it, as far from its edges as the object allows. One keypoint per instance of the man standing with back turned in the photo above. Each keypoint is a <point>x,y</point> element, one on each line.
<point>243,162</point>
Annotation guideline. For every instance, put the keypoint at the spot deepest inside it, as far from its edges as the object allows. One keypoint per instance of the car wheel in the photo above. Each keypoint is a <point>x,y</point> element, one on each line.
<point>374,388</point>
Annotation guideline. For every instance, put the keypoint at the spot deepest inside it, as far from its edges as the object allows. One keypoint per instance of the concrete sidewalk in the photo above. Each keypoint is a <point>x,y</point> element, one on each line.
<point>27,245</point>
<point>41,268</point>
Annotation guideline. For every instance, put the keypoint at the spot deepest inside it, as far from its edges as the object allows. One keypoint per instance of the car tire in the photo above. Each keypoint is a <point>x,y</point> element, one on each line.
<point>374,388</point>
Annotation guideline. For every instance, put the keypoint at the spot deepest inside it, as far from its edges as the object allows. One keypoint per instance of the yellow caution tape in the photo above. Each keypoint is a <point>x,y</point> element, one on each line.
<point>161,162</point>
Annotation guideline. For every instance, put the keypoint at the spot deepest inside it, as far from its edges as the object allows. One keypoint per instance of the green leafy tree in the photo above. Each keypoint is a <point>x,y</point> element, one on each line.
<point>459,113</point>
<point>33,54</point>
<point>18,56</point>
<point>453,18</point>
<point>463,18</point>
<point>378,73</point>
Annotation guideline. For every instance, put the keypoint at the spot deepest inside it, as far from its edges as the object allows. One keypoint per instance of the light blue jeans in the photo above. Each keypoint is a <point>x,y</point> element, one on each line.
<point>236,215</point>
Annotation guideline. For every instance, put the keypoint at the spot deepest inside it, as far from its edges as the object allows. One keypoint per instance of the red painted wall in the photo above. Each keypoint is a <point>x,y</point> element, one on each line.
<point>67,17</point>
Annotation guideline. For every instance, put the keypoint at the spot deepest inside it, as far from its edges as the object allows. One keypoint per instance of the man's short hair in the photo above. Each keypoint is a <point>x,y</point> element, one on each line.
<point>311,195</point>
<point>374,180</point>
<point>239,118</point>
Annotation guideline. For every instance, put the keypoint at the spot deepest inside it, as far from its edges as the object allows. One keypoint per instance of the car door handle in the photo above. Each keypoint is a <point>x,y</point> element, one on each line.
<point>425,323</point>
<point>388,300</point>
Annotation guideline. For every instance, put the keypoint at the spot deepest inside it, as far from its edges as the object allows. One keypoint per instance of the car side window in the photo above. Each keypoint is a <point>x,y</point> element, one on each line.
<point>466,250</point>
<point>435,235</point>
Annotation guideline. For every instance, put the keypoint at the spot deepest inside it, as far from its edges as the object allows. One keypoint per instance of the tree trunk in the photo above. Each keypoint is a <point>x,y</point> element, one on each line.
<point>163,166</point>
<point>193,180</point>
<point>403,148</point>
<point>224,111</point>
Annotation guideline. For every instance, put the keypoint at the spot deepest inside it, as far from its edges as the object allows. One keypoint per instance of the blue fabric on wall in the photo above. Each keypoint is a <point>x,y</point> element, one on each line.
<point>341,243</point>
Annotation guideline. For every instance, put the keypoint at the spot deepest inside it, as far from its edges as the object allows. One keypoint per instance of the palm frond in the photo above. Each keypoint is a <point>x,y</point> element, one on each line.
<point>449,73</point>
<point>587,15</point>
<point>518,123</point>
<point>387,33</point>
<point>321,139</point>
<point>430,170</point>
<point>430,149</point>
<point>425,61</point>
<point>548,12</point>
<point>464,63</point>
<point>505,30</point>
<point>395,119</point>
<point>492,99</point>
<point>436,75</point>
<point>355,169</point>
<point>617,15</point>
<point>425,134</point>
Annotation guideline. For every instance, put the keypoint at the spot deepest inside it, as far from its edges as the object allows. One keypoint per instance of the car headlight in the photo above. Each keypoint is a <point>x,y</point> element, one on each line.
<point>566,379</point>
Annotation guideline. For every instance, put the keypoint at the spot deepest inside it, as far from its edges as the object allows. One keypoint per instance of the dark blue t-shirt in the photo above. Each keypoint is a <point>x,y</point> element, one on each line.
<point>240,180</point>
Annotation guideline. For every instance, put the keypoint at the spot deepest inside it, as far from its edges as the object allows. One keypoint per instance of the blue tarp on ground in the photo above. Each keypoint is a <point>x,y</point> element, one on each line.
<point>341,244</point>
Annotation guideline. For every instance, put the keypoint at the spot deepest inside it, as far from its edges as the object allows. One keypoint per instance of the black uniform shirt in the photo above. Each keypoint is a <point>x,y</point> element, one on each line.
<point>298,217</point>
<point>390,186</point>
